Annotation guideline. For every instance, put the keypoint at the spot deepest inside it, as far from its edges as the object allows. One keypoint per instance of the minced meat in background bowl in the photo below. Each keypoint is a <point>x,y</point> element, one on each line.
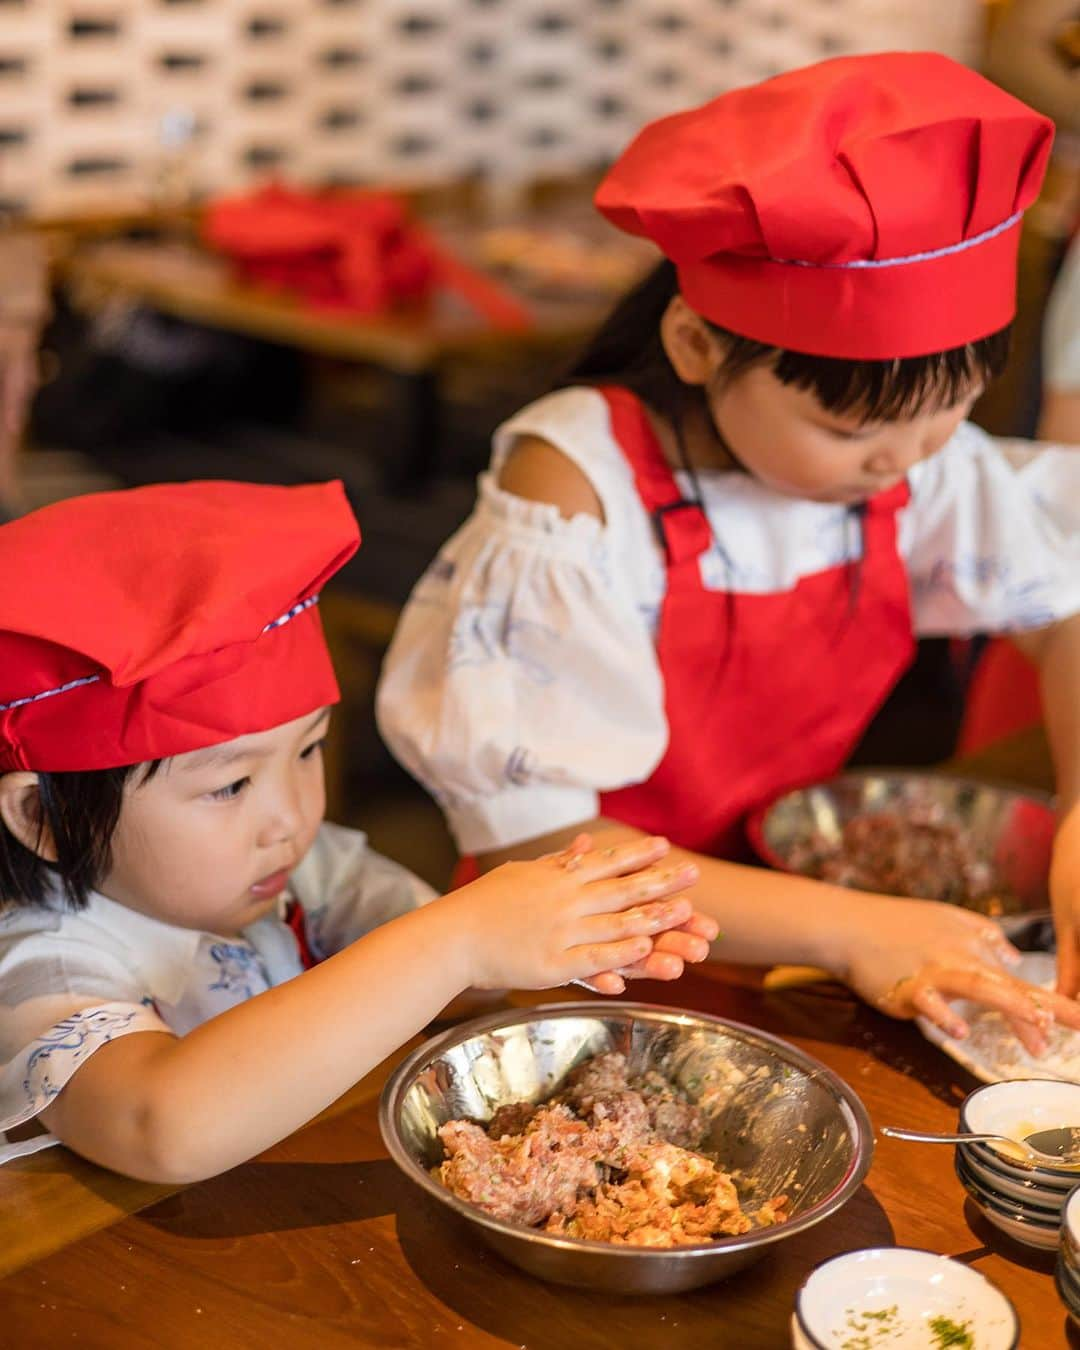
<point>929,836</point>
<point>778,1120</point>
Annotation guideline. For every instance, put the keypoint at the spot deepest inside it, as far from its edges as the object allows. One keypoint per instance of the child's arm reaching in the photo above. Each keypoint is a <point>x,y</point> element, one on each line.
<point>169,1109</point>
<point>906,957</point>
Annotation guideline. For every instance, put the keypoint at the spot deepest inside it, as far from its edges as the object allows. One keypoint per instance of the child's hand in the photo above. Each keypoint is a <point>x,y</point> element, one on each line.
<point>540,924</point>
<point>672,951</point>
<point>909,957</point>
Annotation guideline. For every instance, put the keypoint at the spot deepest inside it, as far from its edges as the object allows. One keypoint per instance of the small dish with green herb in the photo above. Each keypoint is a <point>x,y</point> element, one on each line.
<point>901,1298</point>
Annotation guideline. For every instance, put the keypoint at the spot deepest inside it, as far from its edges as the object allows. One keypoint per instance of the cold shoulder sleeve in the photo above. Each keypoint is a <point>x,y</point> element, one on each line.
<point>523,679</point>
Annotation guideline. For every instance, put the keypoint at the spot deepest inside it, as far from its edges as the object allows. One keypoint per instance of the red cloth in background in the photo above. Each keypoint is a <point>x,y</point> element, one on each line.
<point>358,252</point>
<point>1003,697</point>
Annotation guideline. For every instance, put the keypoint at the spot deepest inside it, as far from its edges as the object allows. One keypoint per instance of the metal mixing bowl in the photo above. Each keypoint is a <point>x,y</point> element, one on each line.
<point>1012,829</point>
<point>782,1124</point>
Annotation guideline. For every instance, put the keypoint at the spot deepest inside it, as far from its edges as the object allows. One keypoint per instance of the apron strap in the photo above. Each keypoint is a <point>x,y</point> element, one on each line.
<point>681,526</point>
<point>682,530</point>
<point>294,918</point>
<point>889,502</point>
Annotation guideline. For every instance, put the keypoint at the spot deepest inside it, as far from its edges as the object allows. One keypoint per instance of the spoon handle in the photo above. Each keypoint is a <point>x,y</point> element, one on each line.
<point>918,1137</point>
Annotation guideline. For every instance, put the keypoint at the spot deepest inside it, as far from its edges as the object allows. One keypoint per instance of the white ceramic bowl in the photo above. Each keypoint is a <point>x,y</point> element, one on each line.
<point>1070,1217</point>
<point>1068,1290</point>
<point>993,1161</point>
<point>1022,1209</point>
<point>1020,1108</point>
<point>1027,1234</point>
<point>1070,1232</point>
<point>1026,1193</point>
<point>1021,1226</point>
<point>1068,1282</point>
<point>895,1293</point>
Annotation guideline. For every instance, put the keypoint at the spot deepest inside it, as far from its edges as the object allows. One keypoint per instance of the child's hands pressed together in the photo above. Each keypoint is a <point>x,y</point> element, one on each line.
<point>672,951</point>
<point>572,915</point>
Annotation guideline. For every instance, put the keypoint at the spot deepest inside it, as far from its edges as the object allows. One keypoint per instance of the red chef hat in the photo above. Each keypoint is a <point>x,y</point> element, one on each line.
<point>866,207</point>
<point>140,624</point>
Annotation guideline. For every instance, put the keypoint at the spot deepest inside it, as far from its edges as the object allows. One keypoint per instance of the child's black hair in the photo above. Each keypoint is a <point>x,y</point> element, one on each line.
<point>628,350</point>
<point>79,812</point>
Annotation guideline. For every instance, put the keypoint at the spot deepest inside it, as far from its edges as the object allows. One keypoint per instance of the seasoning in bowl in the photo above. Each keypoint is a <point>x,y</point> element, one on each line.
<point>900,1298</point>
<point>949,1333</point>
<point>609,1159</point>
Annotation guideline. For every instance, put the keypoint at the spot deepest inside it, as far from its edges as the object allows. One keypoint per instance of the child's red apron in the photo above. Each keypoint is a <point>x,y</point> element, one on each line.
<point>763,693</point>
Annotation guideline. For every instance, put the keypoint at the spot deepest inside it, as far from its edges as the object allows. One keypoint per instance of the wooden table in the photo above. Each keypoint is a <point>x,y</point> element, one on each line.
<point>187,282</point>
<point>321,1242</point>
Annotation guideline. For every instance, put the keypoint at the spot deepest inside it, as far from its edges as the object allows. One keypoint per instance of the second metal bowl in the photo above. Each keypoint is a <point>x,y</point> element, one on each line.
<point>1011,829</point>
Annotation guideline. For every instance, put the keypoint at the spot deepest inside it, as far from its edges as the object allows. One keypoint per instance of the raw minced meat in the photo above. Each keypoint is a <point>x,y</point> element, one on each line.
<point>523,1177</point>
<point>609,1159</point>
<point>920,853</point>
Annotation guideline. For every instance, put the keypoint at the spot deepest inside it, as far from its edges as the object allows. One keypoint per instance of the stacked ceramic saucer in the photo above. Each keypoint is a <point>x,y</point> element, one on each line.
<point>1067,1275</point>
<point>1021,1198</point>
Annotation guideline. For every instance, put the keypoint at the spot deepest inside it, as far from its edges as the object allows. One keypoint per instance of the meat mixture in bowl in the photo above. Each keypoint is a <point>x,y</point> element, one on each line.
<point>919,854</point>
<point>611,1159</point>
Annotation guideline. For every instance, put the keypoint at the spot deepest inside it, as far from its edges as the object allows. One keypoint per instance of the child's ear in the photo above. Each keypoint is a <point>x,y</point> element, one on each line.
<point>691,348</point>
<point>20,810</point>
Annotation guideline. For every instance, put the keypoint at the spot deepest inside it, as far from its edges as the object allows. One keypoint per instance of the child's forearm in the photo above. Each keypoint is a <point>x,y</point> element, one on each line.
<point>167,1109</point>
<point>765,917</point>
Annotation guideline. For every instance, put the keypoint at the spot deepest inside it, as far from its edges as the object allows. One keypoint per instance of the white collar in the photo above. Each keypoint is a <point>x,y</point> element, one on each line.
<point>163,952</point>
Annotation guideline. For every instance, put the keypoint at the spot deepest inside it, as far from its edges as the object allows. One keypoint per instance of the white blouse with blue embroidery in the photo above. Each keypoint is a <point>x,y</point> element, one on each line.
<point>523,680</point>
<point>70,981</point>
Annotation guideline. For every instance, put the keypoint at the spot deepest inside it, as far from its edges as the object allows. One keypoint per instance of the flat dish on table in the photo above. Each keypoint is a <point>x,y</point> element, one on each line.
<point>610,1158</point>
<point>992,1052</point>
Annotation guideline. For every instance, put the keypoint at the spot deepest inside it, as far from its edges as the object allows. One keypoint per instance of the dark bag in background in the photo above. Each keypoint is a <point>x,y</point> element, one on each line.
<point>129,373</point>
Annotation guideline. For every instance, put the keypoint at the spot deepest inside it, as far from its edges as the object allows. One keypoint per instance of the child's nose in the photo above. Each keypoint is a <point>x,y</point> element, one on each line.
<point>898,458</point>
<point>285,820</point>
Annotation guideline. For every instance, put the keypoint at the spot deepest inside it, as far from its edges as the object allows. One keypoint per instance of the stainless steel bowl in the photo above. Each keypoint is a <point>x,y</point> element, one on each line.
<point>1012,828</point>
<point>788,1125</point>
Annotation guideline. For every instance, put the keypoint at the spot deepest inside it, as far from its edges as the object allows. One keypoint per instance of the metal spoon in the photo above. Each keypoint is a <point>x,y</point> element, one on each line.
<point>1054,1147</point>
<point>1062,1142</point>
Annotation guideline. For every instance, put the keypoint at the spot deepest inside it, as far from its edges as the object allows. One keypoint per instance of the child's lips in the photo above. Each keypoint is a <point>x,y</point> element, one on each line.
<point>272,885</point>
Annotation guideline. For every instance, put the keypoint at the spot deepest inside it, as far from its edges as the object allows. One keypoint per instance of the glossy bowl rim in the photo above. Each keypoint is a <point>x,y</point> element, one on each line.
<point>925,1251</point>
<point>1054,1200</point>
<point>1002,1206</point>
<point>1070,1299</point>
<point>1073,1197</point>
<point>1039,1214</point>
<point>755,822</point>
<point>400,1080</point>
<point>982,1153</point>
<point>1068,1273</point>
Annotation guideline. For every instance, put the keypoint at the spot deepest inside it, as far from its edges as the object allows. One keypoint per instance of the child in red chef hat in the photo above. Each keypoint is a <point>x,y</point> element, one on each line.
<point>164,865</point>
<point>694,573</point>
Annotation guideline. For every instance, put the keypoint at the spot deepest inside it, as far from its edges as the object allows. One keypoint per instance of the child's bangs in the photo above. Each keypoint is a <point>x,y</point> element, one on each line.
<point>893,391</point>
